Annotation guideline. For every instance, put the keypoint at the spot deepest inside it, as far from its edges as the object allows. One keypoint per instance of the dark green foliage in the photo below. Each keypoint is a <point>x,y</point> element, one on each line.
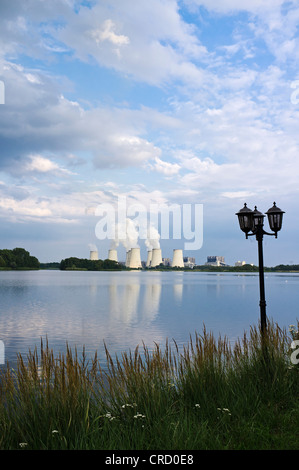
<point>51,265</point>
<point>89,265</point>
<point>18,258</point>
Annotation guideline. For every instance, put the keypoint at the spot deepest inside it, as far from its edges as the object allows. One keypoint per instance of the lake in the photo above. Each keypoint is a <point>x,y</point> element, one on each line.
<point>123,309</point>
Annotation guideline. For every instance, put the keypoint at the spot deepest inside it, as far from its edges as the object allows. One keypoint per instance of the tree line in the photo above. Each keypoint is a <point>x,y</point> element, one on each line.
<point>18,258</point>
<point>89,265</point>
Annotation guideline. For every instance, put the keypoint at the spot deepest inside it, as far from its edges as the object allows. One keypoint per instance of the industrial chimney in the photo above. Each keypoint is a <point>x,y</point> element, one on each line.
<point>177,260</point>
<point>156,257</point>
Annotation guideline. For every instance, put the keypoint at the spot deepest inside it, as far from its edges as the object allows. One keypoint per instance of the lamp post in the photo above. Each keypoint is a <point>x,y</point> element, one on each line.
<point>253,221</point>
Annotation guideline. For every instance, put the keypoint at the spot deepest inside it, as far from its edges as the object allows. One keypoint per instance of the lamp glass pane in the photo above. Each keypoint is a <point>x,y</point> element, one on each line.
<point>245,222</point>
<point>275,218</point>
<point>275,221</point>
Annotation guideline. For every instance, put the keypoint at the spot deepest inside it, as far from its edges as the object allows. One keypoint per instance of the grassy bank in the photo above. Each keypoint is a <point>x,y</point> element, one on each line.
<point>210,396</point>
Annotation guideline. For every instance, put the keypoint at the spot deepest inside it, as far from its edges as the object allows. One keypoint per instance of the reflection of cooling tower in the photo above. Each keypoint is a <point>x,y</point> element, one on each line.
<point>128,256</point>
<point>156,257</point>
<point>94,255</point>
<point>135,260</point>
<point>112,255</point>
<point>178,291</point>
<point>149,258</point>
<point>177,260</point>
<point>151,302</point>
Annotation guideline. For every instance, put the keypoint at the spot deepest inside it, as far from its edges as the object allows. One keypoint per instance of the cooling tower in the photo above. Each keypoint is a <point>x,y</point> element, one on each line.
<point>135,260</point>
<point>112,255</point>
<point>156,257</point>
<point>128,256</point>
<point>94,255</point>
<point>149,258</point>
<point>177,260</point>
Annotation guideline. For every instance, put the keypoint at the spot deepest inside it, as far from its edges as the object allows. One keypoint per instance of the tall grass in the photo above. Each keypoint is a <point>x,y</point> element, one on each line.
<point>210,395</point>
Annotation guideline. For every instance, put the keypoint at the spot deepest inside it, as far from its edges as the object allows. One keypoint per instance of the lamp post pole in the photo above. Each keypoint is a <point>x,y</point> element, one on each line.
<point>253,221</point>
<point>259,237</point>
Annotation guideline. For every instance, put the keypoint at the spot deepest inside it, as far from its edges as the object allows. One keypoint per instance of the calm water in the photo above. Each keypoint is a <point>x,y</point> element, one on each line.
<point>125,308</point>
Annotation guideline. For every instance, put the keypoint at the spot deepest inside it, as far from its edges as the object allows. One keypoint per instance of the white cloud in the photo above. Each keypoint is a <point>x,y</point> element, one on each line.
<point>152,42</point>
<point>107,33</point>
<point>39,117</point>
<point>123,151</point>
<point>166,168</point>
<point>40,164</point>
<point>238,194</point>
<point>216,122</point>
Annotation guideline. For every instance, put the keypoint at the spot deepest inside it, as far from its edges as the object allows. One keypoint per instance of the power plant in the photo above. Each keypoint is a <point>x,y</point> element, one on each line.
<point>156,257</point>
<point>128,254</point>
<point>93,255</point>
<point>149,258</point>
<point>133,259</point>
<point>112,255</point>
<point>177,260</point>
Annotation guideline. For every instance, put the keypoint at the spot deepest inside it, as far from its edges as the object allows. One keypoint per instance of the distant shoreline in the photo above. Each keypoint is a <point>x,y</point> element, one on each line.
<point>19,259</point>
<point>204,269</point>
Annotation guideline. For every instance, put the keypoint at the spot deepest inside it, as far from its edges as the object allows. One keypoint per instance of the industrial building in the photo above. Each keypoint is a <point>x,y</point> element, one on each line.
<point>215,261</point>
<point>166,261</point>
<point>189,262</point>
<point>240,263</point>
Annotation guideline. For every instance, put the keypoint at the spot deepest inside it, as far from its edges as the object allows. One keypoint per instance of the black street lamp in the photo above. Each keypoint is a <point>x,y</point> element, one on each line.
<point>253,221</point>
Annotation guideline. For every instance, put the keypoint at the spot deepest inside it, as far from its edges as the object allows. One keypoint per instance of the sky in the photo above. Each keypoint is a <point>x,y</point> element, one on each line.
<point>159,103</point>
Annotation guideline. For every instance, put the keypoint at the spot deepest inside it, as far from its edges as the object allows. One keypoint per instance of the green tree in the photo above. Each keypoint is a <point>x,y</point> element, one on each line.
<point>18,258</point>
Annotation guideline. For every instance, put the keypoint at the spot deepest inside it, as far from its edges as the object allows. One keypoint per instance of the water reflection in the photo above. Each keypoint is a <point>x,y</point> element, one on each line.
<point>123,302</point>
<point>178,291</point>
<point>151,302</point>
<point>124,309</point>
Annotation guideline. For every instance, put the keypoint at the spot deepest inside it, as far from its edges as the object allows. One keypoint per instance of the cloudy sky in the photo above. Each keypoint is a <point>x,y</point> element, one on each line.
<point>159,102</point>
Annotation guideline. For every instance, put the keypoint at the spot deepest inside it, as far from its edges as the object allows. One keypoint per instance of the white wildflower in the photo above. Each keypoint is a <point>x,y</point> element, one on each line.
<point>23,444</point>
<point>225,410</point>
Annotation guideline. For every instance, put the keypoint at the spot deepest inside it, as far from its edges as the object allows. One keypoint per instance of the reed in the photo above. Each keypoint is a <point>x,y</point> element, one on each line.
<point>209,395</point>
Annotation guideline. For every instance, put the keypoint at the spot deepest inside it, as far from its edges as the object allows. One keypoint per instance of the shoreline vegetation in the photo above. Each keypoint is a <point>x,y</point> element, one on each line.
<point>17,259</point>
<point>20,259</point>
<point>210,396</point>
